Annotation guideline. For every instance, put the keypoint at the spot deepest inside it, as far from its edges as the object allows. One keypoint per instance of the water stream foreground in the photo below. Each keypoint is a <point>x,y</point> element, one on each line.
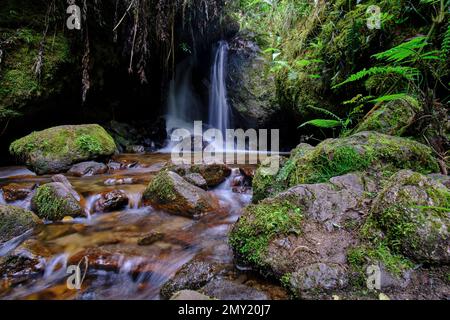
<point>118,266</point>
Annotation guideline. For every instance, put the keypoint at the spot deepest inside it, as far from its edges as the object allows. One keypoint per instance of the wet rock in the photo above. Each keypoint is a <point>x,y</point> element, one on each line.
<point>54,201</point>
<point>192,276</point>
<point>223,289</point>
<point>333,157</point>
<point>444,179</point>
<point>170,192</point>
<point>413,210</point>
<point>150,239</point>
<point>56,149</point>
<point>122,165</point>
<point>14,191</point>
<point>111,201</point>
<point>197,180</point>
<point>187,295</point>
<point>87,169</point>
<point>303,226</point>
<point>318,278</point>
<point>251,89</point>
<point>135,149</point>
<point>248,173</point>
<point>62,179</point>
<point>393,117</point>
<point>214,174</point>
<point>14,221</point>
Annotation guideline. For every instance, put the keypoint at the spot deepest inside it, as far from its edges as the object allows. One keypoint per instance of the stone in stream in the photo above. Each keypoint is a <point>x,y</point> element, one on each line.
<point>56,149</point>
<point>150,239</point>
<point>192,276</point>
<point>111,201</point>
<point>53,201</point>
<point>188,295</point>
<point>214,174</point>
<point>135,149</point>
<point>414,212</point>
<point>87,169</point>
<point>223,289</point>
<point>17,191</point>
<point>170,192</point>
<point>14,221</point>
<point>197,180</point>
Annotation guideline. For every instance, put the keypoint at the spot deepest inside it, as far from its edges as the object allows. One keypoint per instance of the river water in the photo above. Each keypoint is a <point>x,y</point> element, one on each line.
<point>119,268</point>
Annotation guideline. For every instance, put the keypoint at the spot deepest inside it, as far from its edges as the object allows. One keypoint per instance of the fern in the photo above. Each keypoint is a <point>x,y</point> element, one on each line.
<point>397,96</point>
<point>403,51</point>
<point>322,123</point>
<point>407,72</point>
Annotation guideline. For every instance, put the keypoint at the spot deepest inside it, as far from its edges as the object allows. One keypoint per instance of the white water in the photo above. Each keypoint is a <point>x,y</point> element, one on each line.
<point>219,110</point>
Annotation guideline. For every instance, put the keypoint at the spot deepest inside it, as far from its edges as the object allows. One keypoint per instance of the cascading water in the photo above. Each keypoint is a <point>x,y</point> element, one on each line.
<point>184,106</point>
<point>219,110</point>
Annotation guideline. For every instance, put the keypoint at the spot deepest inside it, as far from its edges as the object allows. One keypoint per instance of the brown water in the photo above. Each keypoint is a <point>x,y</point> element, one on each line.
<point>119,268</point>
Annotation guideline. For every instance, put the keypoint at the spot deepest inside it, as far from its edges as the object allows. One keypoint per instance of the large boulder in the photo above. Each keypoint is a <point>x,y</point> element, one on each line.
<point>251,87</point>
<point>56,149</point>
<point>414,212</point>
<point>364,151</point>
<point>302,235</point>
<point>54,201</point>
<point>393,117</point>
<point>14,221</point>
<point>170,192</point>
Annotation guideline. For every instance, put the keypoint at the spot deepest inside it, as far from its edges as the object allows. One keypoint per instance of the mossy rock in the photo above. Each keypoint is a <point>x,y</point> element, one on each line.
<point>267,181</point>
<point>414,212</point>
<point>56,149</point>
<point>214,173</point>
<point>54,201</point>
<point>393,117</point>
<point>14,221</point>
<point>170,192</point>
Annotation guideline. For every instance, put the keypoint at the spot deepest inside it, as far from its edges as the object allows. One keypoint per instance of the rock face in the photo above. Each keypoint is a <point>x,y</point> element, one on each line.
<point>393,117</point>
<point>286,236</point>
<point>414,212</point>
<point>251,88</point>
<point>189,295</point>
<point>170,192</point>
<point>111,201</point>
<point>87,169</point>
<point>197,180</point>
<point>53,201</point>
<point>15,221</point>
<point>56,149</point>
<point>333,157</point>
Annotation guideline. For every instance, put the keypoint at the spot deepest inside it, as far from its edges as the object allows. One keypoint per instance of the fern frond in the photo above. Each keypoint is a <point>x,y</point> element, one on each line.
<point>325,111</point>
<point>446,41</point>
<point>322,123</point>
<point>406,72</point>
<point>403,51</point>
<point>397,96</point>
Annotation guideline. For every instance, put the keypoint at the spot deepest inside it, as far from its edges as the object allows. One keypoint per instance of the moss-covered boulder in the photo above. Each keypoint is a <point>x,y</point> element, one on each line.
<point>56,149</point>
<point>414,212</point>
<point>54,201</point>
<point>393,117</point>
<point>14,221</point>
<point>302,236</point>
<point>364,151</point>
<point>170,192</point>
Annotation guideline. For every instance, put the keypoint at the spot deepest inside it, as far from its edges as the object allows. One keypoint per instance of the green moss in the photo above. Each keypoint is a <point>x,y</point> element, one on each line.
<point>18,82</point>
<point>14,221</point>
<point>89,144</point>
<point>49,206</point>
<point>161,188</point>
<point>259,225</point>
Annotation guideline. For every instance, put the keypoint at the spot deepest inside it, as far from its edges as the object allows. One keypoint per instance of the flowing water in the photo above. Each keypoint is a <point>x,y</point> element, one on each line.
<point>119,268</point>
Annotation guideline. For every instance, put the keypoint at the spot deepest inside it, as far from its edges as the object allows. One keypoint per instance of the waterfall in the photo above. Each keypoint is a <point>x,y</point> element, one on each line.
<point>219,110</point>
<point>184,106</point>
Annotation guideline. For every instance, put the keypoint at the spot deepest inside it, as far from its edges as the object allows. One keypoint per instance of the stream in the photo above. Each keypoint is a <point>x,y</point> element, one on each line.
<point>120,268</point>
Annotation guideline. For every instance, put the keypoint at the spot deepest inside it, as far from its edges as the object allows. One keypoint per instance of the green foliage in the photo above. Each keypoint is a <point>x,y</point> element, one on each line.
<point>49,206</point>
<point>89,144</point>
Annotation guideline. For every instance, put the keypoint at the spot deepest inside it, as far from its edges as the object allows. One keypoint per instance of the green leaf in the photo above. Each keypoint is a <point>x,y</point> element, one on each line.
<point>322,123</point>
